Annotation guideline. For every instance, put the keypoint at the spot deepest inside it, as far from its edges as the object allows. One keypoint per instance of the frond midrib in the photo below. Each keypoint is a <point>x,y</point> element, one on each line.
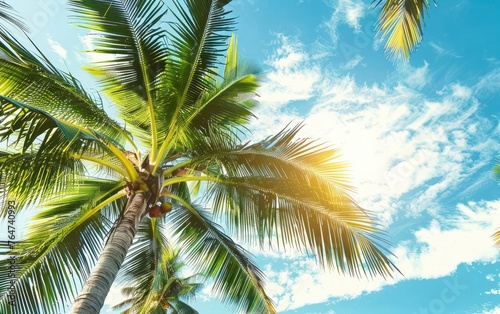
<point>185,92</point>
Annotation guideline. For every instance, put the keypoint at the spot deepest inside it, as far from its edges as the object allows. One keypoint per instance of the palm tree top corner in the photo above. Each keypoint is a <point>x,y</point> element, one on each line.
<point>113,197</point>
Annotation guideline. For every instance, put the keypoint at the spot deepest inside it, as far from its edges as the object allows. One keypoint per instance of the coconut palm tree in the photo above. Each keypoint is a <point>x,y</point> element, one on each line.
<point>402,21</point>
<point>152,288</point>
<point>161,287</point>
<point>90,182</point>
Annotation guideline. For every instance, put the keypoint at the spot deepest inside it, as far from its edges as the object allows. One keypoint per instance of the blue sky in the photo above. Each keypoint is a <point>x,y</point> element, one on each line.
<point>421,138</point>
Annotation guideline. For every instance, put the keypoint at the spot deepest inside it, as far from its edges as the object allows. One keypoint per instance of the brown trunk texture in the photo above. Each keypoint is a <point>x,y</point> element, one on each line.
<point>96,288</point>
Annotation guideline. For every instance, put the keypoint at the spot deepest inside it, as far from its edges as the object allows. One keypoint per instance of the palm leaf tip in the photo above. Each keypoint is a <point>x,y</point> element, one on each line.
<point>402,21</point>
<point>496,169</point>
<point>496,238</point>
<point>9,15</point>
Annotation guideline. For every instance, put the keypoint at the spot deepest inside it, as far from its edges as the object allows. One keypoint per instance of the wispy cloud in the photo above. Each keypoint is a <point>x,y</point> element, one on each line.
<point>495,310</point>
<point>351,64</point>
<point>407,151</point>
<point>436,251</point>
<point>415,142</point>
<point>57,48</point>
<point>293,74</point>
<point>304,282</point>
<point>464,237</point>
<point>413,77</point>
<point>348,12</point>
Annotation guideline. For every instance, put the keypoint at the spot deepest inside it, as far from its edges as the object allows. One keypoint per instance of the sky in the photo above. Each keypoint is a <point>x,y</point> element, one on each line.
<point>420,137</point>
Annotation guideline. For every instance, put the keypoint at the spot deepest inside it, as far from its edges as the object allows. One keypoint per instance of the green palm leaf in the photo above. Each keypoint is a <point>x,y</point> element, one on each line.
<point>294,191</point>
<point>236,278</point>
<point>222,106</point>
<point>135,44</point>
<point>46,158</point>
<point>35,81</point>
<point>401,21</point>
<point>7,14</point>
<point>62,245</point>
<point>198,38</point>
<point>151,273</point>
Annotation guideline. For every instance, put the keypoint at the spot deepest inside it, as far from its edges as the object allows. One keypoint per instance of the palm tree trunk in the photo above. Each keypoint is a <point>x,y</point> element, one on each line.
<point>96,288</point>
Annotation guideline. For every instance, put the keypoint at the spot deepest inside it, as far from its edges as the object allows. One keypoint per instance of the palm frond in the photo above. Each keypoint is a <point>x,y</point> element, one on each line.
<point>226,106</point>
<point>182,308</point>
<point>33,80</point>
<point>496,238</point>
<point>8,15</point>
<point>237,280</point>
<point>142,269</point>
<point>151,272</point>
<point>496,169</point>
<point>43,150</point>
<point>130,34</point>
<point>402,22</point>
<point>197,40</point>
<point>294,192</point>
<point>62,245</point>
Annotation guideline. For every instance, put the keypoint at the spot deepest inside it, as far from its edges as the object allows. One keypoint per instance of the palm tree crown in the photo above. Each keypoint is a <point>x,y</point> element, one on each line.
<point>91,178</point>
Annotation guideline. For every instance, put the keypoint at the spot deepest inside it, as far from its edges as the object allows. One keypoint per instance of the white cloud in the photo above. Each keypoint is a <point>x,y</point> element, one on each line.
<point>464,237</point>
<point>304,282</point>
<point>495,310</point>
<point>489,84</point>
<point>406,151</point>
<point>439,50</point>
<point>351,64</point>
<point>348,12</point>
<point>397,141</point>
<point>490,277</point>
<point>293,75</point>
<point>413,77</point>
<point>436,251</point>
<point>57,48</point>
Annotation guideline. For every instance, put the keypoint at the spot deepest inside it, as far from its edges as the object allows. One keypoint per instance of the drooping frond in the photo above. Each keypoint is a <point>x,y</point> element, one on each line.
<point>293,193</point>
<point>8,15</point>
<point>43,153</point>
<point>237,280</point>
<point>33,80</point>
<point>129,33</point>
<point>180,307</point>
<point>60,248</point>
<point>402,22</point>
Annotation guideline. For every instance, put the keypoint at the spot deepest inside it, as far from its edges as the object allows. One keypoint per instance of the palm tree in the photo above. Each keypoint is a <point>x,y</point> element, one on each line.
<point>402,22</point>
<point>141,272</point>
<point>90,178</point>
